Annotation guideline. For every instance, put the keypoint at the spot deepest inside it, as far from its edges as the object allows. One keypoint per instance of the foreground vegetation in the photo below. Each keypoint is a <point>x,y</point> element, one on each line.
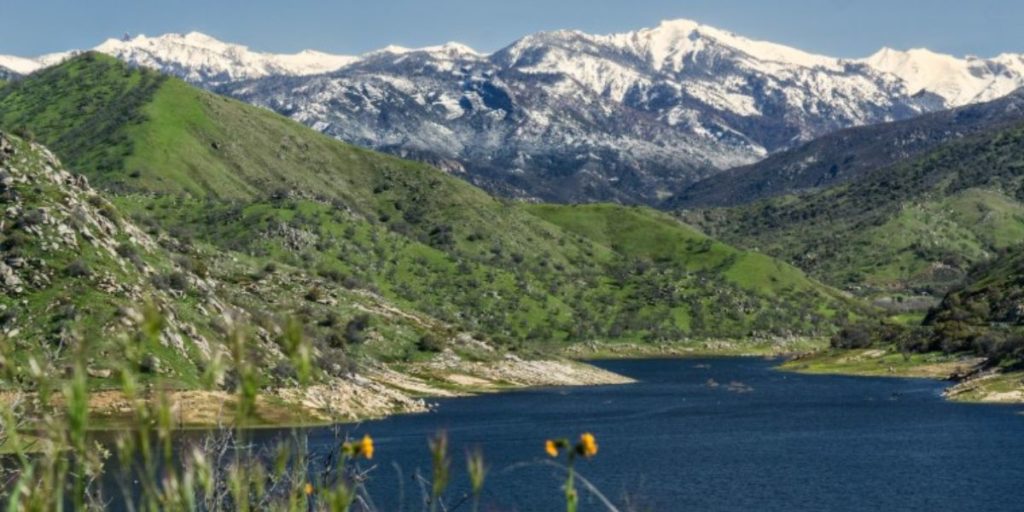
<point>49,460</point>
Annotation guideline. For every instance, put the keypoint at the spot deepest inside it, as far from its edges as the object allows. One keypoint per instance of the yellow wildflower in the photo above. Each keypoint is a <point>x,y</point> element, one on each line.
<point>551,447</point>
<point>355,449</point>
<point>366,446</point>
<point>308,489</point>
<point>588,445</point>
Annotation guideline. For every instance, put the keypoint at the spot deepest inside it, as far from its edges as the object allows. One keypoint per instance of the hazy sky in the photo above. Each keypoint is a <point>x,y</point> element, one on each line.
<point>845,28</point>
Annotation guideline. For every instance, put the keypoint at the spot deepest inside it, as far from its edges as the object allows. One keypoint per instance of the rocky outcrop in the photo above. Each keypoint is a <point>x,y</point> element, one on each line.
<point>60,234</point>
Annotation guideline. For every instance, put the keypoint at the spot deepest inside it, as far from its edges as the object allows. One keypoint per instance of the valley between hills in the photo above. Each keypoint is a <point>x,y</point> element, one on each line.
<point>153,226</point>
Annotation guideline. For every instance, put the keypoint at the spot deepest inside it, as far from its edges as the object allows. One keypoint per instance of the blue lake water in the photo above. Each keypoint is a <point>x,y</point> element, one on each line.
<point>779,441</point>
<point>720,434</point>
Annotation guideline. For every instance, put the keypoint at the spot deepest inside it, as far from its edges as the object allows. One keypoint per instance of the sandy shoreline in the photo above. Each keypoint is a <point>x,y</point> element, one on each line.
<point>376,392</point>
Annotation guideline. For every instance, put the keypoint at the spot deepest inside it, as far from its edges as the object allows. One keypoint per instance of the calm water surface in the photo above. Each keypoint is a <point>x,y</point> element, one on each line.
<point>675,441</point>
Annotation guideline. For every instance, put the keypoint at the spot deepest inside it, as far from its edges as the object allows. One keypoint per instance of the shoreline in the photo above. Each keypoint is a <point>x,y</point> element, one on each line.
<point>375,393</point>
<point>692,349</point>
<point>969,381</point>
<point>406,388</point>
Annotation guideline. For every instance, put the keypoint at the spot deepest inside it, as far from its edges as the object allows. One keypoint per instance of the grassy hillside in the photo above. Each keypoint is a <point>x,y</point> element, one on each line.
<point>73,272</point>
<point>643,233</point>
<point>915,226</point>
<point>215,172</point>
<point>684,280</point>
<point>79,277</point>
<point>975,336</point>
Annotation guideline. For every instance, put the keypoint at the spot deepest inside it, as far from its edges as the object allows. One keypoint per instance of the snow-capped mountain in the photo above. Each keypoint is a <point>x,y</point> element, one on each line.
<point>198,58</point>
<point>958,81</point>
<point>24,66</point>
<point>18,65</point>
<point>572,116</point>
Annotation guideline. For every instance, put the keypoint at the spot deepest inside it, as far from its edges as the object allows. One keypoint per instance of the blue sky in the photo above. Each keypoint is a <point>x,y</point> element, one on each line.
<point>846,28</point>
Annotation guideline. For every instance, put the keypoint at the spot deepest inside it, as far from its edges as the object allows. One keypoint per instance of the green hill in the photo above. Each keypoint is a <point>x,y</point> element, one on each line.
<point>73,270</point>
<point>79,276</point>
<point>916,226</point>
<point>985,315</point>
<point>649,235</point>
<point>214,172</point>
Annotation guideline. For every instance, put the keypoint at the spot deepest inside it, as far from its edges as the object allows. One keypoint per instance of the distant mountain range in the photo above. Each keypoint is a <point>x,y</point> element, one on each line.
<point>195,57</point>
<point>567,116</point>
<point>848,154</point>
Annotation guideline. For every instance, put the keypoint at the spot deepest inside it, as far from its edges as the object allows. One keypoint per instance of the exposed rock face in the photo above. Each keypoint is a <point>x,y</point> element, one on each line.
<point>59,233</point>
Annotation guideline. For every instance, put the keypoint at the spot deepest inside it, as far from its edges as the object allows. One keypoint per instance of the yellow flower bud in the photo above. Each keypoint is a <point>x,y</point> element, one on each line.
<point>551,448</point>
<point>588,445</point>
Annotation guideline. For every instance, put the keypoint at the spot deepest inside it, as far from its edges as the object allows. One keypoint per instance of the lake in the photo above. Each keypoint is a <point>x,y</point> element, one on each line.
<point>714,434</point>
<point>718,434</point>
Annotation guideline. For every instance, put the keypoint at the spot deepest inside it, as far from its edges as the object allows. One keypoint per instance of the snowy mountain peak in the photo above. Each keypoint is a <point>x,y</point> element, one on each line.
<point>959,81</point>
<point>198,57</point>
<point>18,64</point>
<point>24,66</point>
<point>456,48</point>
<point>678,25</point>
<point>451,49</point>
<point>915,56</point>
<point>673,42</point>
<point>170,42</point>
<point>202,39</point>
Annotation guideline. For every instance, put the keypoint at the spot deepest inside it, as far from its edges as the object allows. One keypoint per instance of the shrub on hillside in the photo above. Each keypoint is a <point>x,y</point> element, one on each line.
<point>130,253</point>
<point>431,343</point>
<point>78,268</point>
<point>852,336</point>
<point>336,363</point>
<point>355,329</point>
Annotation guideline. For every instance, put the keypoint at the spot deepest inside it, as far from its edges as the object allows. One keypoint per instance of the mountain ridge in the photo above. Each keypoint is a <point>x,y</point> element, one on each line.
<point>565,116</point>
<point>569,117</point>
<point>663,44</point>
